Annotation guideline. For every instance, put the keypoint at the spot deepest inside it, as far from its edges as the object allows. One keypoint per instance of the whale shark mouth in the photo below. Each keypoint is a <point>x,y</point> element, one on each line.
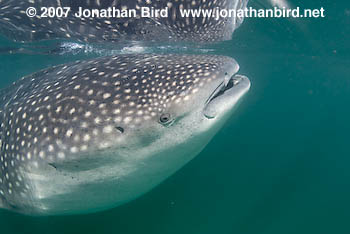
<point>224,86</point>
<point>229,91</point>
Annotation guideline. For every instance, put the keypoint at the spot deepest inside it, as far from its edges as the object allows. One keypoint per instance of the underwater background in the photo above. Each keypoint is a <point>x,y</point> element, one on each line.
<point>281,164</point>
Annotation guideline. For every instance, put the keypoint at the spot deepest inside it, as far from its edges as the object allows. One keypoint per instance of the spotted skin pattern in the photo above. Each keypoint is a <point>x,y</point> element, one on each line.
<point>61,113</point>
<point>16,25</point>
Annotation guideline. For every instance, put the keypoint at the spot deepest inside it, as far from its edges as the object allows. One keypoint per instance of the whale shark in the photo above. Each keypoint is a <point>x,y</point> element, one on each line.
<point>63,19</point>
<point>94,134</point>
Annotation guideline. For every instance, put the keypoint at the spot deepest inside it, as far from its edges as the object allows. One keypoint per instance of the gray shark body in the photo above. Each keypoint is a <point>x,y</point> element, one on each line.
<point>94,134</point>
<point>15,24</point>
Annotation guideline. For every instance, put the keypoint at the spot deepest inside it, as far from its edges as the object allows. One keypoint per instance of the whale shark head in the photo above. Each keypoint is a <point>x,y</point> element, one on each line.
<point>94,134</point>
<point>183,98</point>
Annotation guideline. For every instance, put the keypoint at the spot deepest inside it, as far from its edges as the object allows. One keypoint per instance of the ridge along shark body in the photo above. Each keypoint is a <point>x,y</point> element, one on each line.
<point>15,24</point>
<point>94,134</point>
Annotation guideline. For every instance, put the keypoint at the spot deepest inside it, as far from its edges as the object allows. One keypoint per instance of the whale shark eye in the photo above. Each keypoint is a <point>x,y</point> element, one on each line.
<point>165,118</point>
<point>120,129</point>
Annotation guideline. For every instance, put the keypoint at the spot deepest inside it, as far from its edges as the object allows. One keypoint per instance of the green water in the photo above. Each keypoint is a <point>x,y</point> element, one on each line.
<point>280,165</point>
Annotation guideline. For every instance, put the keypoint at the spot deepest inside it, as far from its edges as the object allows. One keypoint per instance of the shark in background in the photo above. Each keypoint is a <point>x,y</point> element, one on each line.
<point>91,135</point>
<point>16,25</point>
